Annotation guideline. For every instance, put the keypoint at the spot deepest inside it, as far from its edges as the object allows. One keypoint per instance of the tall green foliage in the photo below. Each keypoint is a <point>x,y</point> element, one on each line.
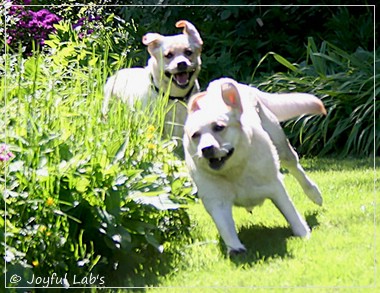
<point>346,82</point>
<point>84,195</point>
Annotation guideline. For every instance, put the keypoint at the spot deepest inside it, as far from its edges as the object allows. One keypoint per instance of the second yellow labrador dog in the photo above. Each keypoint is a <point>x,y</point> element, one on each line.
<point>174,65</point>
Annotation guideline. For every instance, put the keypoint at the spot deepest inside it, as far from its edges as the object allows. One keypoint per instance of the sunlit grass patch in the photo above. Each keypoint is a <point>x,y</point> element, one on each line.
<point>340,255</point>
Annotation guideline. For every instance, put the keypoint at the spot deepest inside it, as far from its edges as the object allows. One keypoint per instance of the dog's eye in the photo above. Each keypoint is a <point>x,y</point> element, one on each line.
<point>188,52</point>
<point>218,128</point>
<point>169,55</point>
<point>195,135</point>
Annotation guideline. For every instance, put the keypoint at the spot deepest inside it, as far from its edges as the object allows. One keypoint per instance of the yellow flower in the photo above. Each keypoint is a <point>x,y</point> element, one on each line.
<point>151,146</point>
<point>49,201</point>
<point>151,129</point>
<point>42,228</point>
<point>35,263</point>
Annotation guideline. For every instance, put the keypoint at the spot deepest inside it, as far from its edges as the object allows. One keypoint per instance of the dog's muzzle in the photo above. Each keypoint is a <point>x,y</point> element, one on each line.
<point>217,158</point>
<point>183,76</point>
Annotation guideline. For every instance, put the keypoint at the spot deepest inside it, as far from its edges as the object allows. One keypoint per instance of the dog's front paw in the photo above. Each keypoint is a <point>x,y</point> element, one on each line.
<point>237,251</point>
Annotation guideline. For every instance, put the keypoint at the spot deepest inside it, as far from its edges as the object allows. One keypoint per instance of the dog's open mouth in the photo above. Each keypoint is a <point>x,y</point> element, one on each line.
<point>218,163</point>
<point>181,79</point>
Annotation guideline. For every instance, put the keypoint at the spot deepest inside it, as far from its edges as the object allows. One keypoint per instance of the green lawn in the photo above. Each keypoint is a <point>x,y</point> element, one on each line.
<point>340,255</point>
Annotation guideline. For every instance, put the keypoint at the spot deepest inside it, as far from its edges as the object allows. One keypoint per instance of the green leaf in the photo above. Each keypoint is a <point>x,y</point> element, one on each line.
<point>160,202</point>
<point>93,61</point>
<point>113,203</point>
<point>285,62</point>
<point>225,14</point>
<point>82,184</point>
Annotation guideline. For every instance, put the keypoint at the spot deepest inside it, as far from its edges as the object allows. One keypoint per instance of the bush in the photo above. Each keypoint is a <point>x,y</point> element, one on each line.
<point>346,84</point>
<point>88,41</point>
<point>85,196</point>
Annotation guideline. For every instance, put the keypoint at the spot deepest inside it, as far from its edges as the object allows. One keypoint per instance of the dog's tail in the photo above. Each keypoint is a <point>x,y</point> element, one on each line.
<point>287,106</point>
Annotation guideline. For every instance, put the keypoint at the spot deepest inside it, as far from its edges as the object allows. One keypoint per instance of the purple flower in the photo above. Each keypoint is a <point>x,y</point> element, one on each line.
<point>30,25</point>
<point>42,14</point>
<point>79,23</point>
<point>50,18</point>
<point>5,154</point>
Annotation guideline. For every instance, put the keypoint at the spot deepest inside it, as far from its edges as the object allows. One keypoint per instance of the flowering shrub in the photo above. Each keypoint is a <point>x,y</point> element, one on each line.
<point>25,26</point>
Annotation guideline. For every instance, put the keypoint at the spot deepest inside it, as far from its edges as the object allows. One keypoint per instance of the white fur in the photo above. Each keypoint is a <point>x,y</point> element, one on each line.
<point>129,84</point>
<point>251,174</point>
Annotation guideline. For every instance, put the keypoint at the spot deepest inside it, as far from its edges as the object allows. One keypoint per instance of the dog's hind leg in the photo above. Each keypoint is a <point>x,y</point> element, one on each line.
<point>288,157</point>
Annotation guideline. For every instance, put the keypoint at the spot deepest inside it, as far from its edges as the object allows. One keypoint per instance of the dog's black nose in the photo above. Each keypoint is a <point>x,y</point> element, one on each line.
<point>208,152</point>
<point>182,66</point>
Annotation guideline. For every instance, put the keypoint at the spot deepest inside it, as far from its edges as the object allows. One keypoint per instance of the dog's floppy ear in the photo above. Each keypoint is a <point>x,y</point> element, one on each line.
<point>152,40</point>
<point>193,103</point>
<point>190,30</point>
<point>231,96</point>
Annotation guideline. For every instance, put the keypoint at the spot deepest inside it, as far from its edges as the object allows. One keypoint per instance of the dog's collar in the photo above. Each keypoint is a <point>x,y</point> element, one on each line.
<point>183,99</point>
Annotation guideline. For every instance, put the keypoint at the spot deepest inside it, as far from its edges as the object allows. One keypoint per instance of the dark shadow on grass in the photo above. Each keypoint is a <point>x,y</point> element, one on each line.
<point>264,244</point>
<point>312,220</point>
<point>154,266</point>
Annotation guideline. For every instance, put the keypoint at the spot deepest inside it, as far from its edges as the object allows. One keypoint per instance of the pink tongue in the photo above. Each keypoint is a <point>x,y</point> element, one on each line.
<point>182,78</point>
